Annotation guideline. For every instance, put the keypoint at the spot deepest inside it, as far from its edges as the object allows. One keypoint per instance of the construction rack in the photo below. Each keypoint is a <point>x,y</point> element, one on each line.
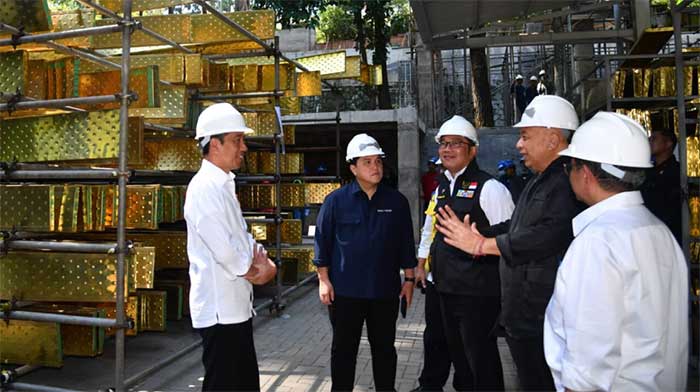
<point>94,204</point>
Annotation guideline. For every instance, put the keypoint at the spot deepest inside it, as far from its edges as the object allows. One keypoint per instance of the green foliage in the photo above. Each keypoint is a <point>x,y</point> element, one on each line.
<point>336,23</point>
<point>293,13</point>
<point>401,17</point>
<point>63,5</point>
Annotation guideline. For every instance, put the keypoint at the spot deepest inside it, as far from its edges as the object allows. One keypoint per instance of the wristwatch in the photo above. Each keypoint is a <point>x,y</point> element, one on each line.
<point>412,280</point>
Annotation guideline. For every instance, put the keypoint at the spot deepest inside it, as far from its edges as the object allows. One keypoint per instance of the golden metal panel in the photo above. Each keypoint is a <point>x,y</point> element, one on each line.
<point>257,60</point>
<point>171,67</point>
<point>194,73</point>
<point>290,105</point>
<point>375,75</point>
<point>63,21</point>
<point>618,83</point>
<point>642,81</point>
<point>250,162</point>
<point>227,48</point>
<point>326,63</point>
<point>66,137</point>
<point>217,77</point>
<point>152,310</point>
<point>173,106</point>
<point>245,78</point>
<point>364,73</point>
<point>33,15</point>
<point>291,163</point>
<point>31,343</point>
<point>78,340</point>
<point>171,248</point>
<point>308,84</point>
<point>207,28</point>
<point>266,232</point>
<point>36,82</point>
<point>131,309</point>
<point>142,5</point>
<point>142,266</point>
<point>352,69</point>
<point>14,71</point>
<point>297,261</point>
<point>693,156</point>
<point>26,207</point>
<point>141,207</point>
<point>316,192</point>
<point>267,76</point>
<point>664,82</point>
<point>175,27</point>
<point>175,294</point>
<point>142,81</point>
<point>289,134</point>
<point>60,277</point>
<point>172,154</point>
<point>67,211</point>
<point>292,195</point>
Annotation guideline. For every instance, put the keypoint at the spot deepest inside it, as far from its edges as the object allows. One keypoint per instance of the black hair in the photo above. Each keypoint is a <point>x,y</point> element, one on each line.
<point>670,135</point>
<point>632,180</point>
<point>205,149</point>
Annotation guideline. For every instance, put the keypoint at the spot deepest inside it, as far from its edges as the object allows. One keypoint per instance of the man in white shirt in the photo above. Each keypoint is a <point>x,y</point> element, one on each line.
<point>224,259</point>
<point>617,320</point>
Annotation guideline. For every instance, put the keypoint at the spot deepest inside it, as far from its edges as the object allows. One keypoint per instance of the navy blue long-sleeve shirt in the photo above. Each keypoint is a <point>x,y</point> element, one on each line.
<point>364,243</point>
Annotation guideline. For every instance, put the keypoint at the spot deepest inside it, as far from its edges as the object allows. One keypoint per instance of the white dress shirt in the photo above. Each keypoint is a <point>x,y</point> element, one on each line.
<point>618,318</point>
<point>219,248</point>
<point>495,200</point>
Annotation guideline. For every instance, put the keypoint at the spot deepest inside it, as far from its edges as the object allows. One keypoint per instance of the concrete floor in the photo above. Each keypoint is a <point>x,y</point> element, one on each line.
<point>293,354</point>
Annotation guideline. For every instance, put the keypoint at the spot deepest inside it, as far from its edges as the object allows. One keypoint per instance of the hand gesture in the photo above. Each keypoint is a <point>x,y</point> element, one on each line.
<point>460,234</point>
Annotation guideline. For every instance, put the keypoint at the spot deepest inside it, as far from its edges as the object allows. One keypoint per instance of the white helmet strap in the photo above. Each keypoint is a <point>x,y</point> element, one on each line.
<point>612,170</point>
<point>204,141</point>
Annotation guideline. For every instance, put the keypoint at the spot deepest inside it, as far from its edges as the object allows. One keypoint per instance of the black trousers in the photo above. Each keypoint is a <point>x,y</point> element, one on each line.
<point>229,359</point>
<point>347,317</point>
<point>436,356</point>
<point>468,323</point>
<point>533,371</point>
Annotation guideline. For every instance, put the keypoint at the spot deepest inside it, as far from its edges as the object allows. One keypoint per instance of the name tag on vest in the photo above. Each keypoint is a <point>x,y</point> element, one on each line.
<point>385,210</point>
<point>465,193</point>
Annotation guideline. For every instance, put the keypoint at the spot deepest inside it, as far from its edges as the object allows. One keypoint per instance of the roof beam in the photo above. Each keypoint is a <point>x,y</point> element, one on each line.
<point>548,38</point>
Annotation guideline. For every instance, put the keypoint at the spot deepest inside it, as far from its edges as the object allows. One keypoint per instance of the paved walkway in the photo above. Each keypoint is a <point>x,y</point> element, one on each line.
<point>294,352</point>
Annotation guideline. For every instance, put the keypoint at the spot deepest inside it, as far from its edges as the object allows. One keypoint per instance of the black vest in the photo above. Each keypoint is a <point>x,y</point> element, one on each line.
<point>454,271</point>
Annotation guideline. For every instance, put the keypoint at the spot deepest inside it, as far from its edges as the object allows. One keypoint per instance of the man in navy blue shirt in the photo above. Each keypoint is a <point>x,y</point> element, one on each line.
<point>364,237</point>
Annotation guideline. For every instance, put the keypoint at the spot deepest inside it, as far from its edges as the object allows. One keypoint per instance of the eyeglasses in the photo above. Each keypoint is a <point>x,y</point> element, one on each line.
<point>454,144</point>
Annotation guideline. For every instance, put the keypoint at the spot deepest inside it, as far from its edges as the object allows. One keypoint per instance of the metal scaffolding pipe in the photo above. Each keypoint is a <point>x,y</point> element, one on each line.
<point>87,31</point>
<point>119,354</point>
<point>233,24</point>
<point>163,128</point>
<point>21,386</point>
<point>59,103</point>
<point>80,247</point>
<point>261,220</point>
<point>259,53</point>
<point>60,318</point>
<point>58,174</point>
<point>256,178</point>
<point>237,96</point>
<point>298,285</point>
<point>81,54</point>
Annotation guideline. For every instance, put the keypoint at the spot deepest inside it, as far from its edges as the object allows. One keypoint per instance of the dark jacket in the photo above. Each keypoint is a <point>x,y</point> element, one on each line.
<point>532,245</point>
<point>662,194</point>
<point>455,271</point>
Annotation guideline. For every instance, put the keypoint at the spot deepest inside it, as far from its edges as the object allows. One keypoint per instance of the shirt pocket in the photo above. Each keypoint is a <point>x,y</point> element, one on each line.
<point>348,228</point>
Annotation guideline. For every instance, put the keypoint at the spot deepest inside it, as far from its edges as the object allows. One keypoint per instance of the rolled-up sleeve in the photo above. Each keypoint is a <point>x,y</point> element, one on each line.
<point>323,237</point>
<point>407,243</point>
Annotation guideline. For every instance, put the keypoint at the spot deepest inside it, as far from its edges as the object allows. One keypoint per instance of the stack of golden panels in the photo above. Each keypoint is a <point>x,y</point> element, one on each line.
<point>267,232</point>
<point>31,343</point>
<point>262,196</point>
<point>297,262</point>
<point>265,163</point>
<point>152,310</point>
<point>77,340</point>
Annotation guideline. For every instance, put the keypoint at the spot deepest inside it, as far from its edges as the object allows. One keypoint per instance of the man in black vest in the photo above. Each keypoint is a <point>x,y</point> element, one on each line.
<point>466,281</point>
<point>533,242</point>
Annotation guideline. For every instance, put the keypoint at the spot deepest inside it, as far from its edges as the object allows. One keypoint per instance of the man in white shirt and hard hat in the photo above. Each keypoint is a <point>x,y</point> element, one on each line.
<point>467,282</point>
<point>618,319</point>
<point>542,86</point>
<point>533,242</point>
<point>225,261</point>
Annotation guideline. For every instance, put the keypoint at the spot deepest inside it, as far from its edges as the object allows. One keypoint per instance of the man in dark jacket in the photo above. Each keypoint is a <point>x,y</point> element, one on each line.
<point>662,188</point>
<point>533,242</point>
<point>466,283</point>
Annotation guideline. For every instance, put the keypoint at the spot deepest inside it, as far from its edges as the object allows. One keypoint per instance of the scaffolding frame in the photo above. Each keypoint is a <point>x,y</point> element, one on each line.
<point>127,25</point>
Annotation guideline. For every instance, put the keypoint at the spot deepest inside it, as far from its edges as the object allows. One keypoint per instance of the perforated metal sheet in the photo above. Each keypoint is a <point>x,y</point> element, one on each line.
<point>141,207</point>
<point>266,232</point>
<point>31,343</point>
<point>77,340</point>
<point>175,27</point>
<point>316,192</point>
<point>59,277</point>
<point>290,163</point>
<point>267,73</point>
<point>152,310</point>
<point>142,267</point>
<point>326,63</point>
<point>36,78</point>
<point>63,21</point>
<point>290,105</point>
<point>142,81</point>
<point>28,207</point>
<point>217,77</point>
<point>245,78</point>
<point>194,72</point>
<point>142,5</point>
<point>131,309</point>
<point>308,84</point>
<point>352,69</point>
<point>171,67</point>
<point>34,15</point>
<point>208,28</point>
<point>227,48</point>
<point>172,154</point>
<point>257,60</point>
<point>173,104</point>
<point>67,137</point>
<point>14,71</point>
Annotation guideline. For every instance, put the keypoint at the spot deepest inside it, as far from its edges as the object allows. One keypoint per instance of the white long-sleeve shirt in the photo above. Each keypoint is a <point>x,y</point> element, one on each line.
<point>219,248</point>
<point>495,201</point>
<point>618,318</point>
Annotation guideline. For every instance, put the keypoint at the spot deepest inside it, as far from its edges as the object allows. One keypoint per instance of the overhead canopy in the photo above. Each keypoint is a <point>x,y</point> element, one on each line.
<point>443,19</point>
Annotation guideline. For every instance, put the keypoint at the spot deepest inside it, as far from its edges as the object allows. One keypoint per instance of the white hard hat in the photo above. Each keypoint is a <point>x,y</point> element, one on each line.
<point>549,111</point>
<point>542,72</point>
<point>438,162</point>
<point>363,145</point>
<point>612,139</point>
<point>533,78</point>
<point>217,119</point>
<point>518,77</point>
<point>458,126</point>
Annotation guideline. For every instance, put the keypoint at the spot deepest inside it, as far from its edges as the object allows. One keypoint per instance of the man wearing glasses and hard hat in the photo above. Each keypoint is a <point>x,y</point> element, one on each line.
<point>225,261</point>
<point>364,237</point>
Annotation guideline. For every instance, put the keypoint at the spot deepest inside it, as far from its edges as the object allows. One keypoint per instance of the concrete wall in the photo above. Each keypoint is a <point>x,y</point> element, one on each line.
<point>297,40</point>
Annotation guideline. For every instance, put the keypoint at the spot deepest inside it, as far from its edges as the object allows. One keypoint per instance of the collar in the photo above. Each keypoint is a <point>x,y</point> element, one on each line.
<point>590,214</point>
<point>355,187</point>
<point>459,173</point>
<point>215,174</point>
